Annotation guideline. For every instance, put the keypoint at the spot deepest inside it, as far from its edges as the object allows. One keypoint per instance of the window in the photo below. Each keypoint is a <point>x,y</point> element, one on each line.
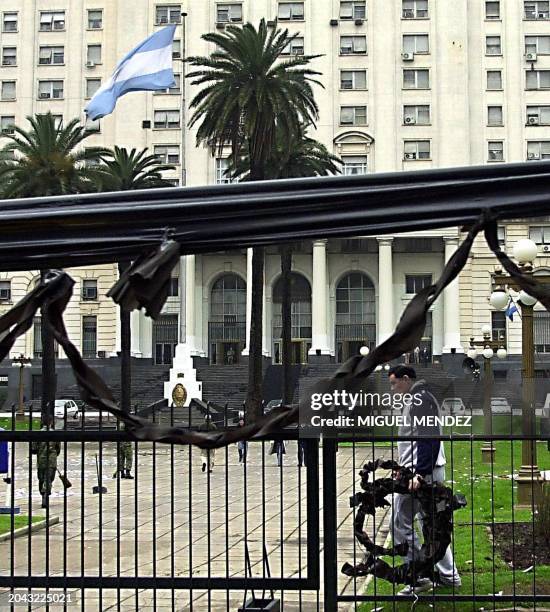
<point>226,13</point>
<point>416,78</point>
<point>222,164</point>
<point>294,47</point>
<point>89,289</point>
<point>494,79</point>
<point>416,114</point>
<point>536,10</point>
<point>95,19</point>
<point>415,43</point>
<point>494,115</point>
<point>354,164</point>
<point>539,45</point>
<point>415,9</point>
<point>9,22</point>
<point>8,90</point>
<point>167,154</point>
<point>5,291</point>
<point>416,282</point>
<point>495,150</point>
<point>537,79</point>
<point>50,89</point>
<point>6,124</point>
<point>169,119</point>
<point>174,289</point>
<point>540,234</point>
<point>538,115</point>
<point>353,79</point>
<point>498,327</point>
<point>538,149</point>
<point>176,48</point>
<point>353,115</point>
<point>501,234</point>
<point>492,10</point>
<point>93,55</point>
<point>417,149</point>
<point>168,13</point>
<point>57,121</point>
<point>51,55</point>
<point>52,20</point>
<point>353,45</point>
<point>176,90</point>
<point>353,10</point>
<point>89,337</point>
<point>92,125</point>
<point>493,45</point>
<point>9,56</point>
<point>92,85</point>
<point>293,11</point>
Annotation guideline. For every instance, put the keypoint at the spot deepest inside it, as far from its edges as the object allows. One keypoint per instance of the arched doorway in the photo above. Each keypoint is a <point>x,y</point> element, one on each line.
<point>300,297</point>
<point>355,315</point>
<point>227,321</point>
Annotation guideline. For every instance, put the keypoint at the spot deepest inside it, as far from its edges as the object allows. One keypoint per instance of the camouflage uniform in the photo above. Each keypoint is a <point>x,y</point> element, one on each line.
<point>46,453</point>
<point>208,454</point>
<point>125,457</point>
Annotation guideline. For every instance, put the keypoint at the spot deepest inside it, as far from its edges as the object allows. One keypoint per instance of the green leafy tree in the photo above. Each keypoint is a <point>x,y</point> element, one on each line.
<point>251,93</point>
<point>46,160</point>
<point>123,170</point>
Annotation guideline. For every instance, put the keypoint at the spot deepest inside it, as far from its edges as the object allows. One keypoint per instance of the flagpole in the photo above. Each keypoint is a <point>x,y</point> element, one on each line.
<point>184,99</point>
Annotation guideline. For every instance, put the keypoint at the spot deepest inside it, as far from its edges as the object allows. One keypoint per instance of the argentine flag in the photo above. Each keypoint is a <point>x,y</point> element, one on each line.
<point>148,67</point>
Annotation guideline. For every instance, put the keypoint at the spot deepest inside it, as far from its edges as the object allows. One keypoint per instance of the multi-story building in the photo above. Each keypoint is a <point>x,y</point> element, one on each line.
<point>407,85</point>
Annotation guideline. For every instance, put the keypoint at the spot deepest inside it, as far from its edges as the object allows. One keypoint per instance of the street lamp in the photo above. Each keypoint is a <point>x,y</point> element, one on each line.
<point>21,362</point>
<point>364,351</point>
<point>528,479</point>
<point>489,348</point>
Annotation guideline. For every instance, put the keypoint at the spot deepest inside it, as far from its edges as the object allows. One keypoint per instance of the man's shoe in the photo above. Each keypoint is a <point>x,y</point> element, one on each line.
<point>128,475</point>
<point>204,467</point>
<point>44,500</point>
<point>423,584</point>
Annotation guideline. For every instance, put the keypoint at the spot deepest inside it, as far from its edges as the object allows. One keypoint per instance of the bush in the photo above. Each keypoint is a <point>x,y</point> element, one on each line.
<point>542,516</point>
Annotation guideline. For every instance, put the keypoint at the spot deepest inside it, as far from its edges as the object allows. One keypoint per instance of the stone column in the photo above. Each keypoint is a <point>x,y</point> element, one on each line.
<point>190,319</point>
<point>319,300</point>
<point>451,305</point>
<point>386,321</point>
<point>182,291</point>
<point>135,323</point>
<point>117,347</point>
<point>246,350</point>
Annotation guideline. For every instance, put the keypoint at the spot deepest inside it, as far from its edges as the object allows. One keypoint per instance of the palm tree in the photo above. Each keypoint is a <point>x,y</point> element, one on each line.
<point>44,161</point>
<point>123,170</point>
<point>299,157</point>
<point>251,93</point>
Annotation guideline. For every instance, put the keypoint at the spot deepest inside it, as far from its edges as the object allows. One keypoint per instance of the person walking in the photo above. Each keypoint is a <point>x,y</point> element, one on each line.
<point>424,455</point>
<point>47,453</point>
<point>417,354</point>
<point>208,454</point>
<point>301,452</point>
<point>125,456</point>
<point>278,448</point>
<point>242,445</point>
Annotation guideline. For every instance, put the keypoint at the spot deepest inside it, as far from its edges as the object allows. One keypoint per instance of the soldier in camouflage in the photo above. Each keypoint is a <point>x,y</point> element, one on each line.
<point>124,459</point>
<point>47,453</point>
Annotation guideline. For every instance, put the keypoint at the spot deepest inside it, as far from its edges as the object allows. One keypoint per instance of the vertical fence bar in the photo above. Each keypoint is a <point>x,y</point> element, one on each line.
<point>330,560</point>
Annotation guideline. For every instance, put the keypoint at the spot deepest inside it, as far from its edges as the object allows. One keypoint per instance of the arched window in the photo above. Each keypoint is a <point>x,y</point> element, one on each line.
<point>355,301</point>
<point>228,300</point>
<point>300,297</point>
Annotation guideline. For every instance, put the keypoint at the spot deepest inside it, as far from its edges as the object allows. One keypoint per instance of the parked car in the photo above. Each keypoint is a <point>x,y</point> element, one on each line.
<point>272,404</point>
<point>453,406</point>
<point>66,407</point>
<point>500,405</point>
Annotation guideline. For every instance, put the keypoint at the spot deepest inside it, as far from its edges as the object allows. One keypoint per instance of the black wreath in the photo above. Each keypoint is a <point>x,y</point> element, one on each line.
<point>437,503</point>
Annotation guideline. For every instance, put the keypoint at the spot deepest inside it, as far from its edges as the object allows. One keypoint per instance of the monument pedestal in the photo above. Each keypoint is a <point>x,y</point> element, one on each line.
<point>183,373</point>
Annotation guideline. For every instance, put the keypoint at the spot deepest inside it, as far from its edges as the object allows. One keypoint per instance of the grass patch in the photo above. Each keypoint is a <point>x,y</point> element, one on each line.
<point>491,498</point>
<point>7,423</point>
<point>20,520</point>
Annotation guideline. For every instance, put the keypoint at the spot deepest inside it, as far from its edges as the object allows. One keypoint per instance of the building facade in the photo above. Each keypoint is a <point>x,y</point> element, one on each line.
<point>407,85</point>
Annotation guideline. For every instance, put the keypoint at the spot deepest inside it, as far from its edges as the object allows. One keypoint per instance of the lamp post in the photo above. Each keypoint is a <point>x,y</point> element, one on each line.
<point>21,362</point>
<point>489,348</point>
<point>529,478</point>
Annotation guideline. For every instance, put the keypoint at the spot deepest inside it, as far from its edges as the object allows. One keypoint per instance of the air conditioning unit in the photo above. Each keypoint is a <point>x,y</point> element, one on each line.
<point>101,354</point>
<point>271,23</point>
<point>44,95</point>
<point>89,293</point>
<point>530,57</point>
<point>334,22</point>
<point>359,22</point>
<point>163,20</point>
<point>146,124</point>
<point>8,130</point>
<point>542,16</point>
<point>408,13</point>
<point>533,120</point>
<point>410,120</point>
<point>220,25</point>
<point>533,156</point>
<point>176,54</point>
<point>546,248</point>
<point>410,155</point>
<point>90,65</point>
<point>407,57</point>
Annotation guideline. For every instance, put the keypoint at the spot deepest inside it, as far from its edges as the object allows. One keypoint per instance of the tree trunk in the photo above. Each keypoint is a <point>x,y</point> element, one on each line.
<point>125,356</point>
<point>255,375</point>
<point>286,311</point>
<point>48,364</point>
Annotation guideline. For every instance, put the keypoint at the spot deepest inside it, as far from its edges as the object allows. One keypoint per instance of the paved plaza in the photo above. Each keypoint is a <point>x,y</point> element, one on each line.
<point>159,524</point>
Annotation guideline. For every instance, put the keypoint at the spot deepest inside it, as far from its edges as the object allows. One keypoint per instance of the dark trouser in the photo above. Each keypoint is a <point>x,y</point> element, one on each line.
<point>301,453</point>
<point>46,476</point>
<point>242,455</point>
